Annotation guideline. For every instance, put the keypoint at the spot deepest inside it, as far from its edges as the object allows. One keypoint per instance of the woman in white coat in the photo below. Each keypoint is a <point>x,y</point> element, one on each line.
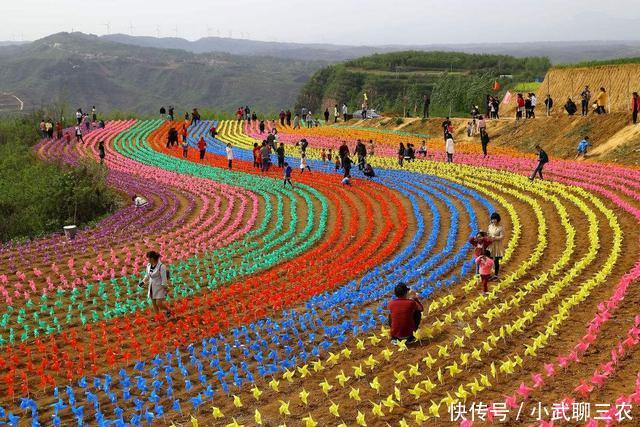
<point>156,279</point>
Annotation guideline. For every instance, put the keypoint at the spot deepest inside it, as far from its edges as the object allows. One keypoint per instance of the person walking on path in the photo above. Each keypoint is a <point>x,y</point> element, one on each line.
<point>426,102</point>
<point>448,148</point>
<point>548,103</point>
<point>156,279</point>
<point>58,131</point>
<point>202,146</point>
<point>280,153</point>
<point>265,156</point>
<point>296,122</point>
<point>185,148</point>
<point>79,137</point>
<point>401,152</point>
<point>481,243</point>
<point>288,117</point>
<point>405,314</point>
<point>345,112</point>
<point>485,267</point>
<point>495,232</point>
<point>585,96</point>
<point>303,163</point>
<point>635,107</point>
<point>543,159</point>
<point>287,175</point>
<point>336,113</point>
<point>282,116</point>
<point>484,140</point>
<point>326,116</point>
<point>101,152</point>
<point>229,156</point>
<point>601,101</point>
<point>520,106</point>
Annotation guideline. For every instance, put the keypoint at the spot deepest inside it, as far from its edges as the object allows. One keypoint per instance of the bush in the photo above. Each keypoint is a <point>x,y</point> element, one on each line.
<point>38,197</point>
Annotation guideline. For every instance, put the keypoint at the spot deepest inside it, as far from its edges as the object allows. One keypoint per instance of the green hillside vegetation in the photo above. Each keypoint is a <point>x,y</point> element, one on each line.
<point>396,82</point>
<point>618,61</point>
<point>37,197</point>
<point>83,70</point>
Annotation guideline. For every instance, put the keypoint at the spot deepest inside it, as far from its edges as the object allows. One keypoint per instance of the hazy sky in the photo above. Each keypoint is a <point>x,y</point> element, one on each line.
<point>331,21</point>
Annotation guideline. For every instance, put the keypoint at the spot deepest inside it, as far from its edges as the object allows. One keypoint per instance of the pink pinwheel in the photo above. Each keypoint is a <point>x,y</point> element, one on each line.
<point>466,423</point>
<point>511,401</point>
<point>563,361</point>
<point>598,378</point>
<point>544,423</point>
<point>537,379</point>
<point>583,389</point>
<point>524,390</point>
<point>549,369</point>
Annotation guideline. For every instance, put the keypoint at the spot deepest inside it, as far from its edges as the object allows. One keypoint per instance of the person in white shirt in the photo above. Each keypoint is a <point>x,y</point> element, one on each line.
<point>345,112</point>
<point>229,155</point>
<point>534,102</point>
<point>156,279</point>
<point>139,201</point>
<point>79,116</point>
<point>448,148</point>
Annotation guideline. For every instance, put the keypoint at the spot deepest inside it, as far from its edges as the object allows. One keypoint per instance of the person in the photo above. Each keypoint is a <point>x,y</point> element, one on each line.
<point>527,107</point>
<point>94,114</point>
<point>346,165</point>
<point>239,114</point>
<point>326,116</point>
<point>261,126</point>
<point>343,151</point>
<point>371,150</point>
<point>296,121</point>
<point>303,144</point>
<point>446,125</point>
<point>329,155</point>
<point>423,149</point>
<point>410,153</point>
<point>364,110</point>
<point>485,267</point>
<point>570,107</point>
<point>247,113</point>
<point>202,146</point>
<point>265,156</point>
<point>582,147</point>
<point>520,106</point>
<point>172,137</point>
<point>101,124</point>
<point>401,152</point>
<point>79,134</point>
<point>49,129</point>
<point>213,131</point>
<point>335,113</point>
<point>346,180</point>
<point>484,140</point>
<point>635,107</point>
<point>229,155</point>
<point>585,95</point>
<point>548,103</point>
<point>309,119</point>
<point>361,152</point>
<point>43,128</point>
<point>543,159</point>
<point>323,155</point>
<point>282,116</point>
<point>185,148</point>
<point>368,171</point>
<point>288,117</point>
<point>534,102</point>
<point>480,243</point>
<point>87,122</point>
<point>303,163</point>
<point>448,148</point>
<point>170,114</point>
<point>58,130</point>
<point>139,201</point>
<point>186,116</point>
<point>253,117</point>
<point>156,280</point>
<point>271,139</point>
<point>79,116</point>
<point>470,128</point>
<point>482,124</point>
<point>67,137</point>
<point>495,232</point>
<point>287,174</point>
<point>280,153</point>
<point>405,314</point>
<point>163,111</point>
<point>601,101</point>
<point>101,152</point>
<point>337,164</point>
<point>257,163</point>
<point>345,112</point>
<point>426,102</point>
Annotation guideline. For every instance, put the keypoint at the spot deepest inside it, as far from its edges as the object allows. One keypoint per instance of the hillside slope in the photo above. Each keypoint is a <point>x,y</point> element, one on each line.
<point>84,70</point>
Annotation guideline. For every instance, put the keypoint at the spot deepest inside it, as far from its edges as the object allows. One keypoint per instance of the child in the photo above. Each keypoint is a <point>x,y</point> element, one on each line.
<point>287,174</point>
<point>323,154</point>
<point>101,152</point>
<point>485,265</point>
<point>337,163</point>
<point>303,163</point>
<point>185,148</point>
<point>582,147</point>
<point>79,134</point>
<point>330,155</point>
<point>67,137</point>
<point>423,149</point>
<point>481,242</point>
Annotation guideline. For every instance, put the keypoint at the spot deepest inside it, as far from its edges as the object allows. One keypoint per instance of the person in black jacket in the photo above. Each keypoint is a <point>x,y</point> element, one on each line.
<point>543,159</point>
<point>484,140</point>
<point>280,153</point>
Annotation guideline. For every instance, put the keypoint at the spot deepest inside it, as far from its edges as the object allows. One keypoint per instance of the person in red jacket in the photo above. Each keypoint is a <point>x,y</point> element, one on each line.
<point>405,314</point>
<point>202,146</point>
<point>520,106</point>
<point>480,242</point>
<point>635,107</point>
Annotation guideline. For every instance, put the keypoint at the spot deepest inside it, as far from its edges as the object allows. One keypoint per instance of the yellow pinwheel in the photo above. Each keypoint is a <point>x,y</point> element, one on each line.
<point>354,394</point>
<point>256,392</point>
<point>389,402</point>
<point>216,412</point>
<point>237,402</point>
<point>360,344</point>
<point>464,359</point>
<point>413,370</point>
<point>458,341</point>
<point>434,409</point>
<point>234,423</point>
<point>284,408</point>
<point>194,421</point>
<point>484,380</point>
<point>303,371</point>
<point>333,409</point>
<point>358,372</point>
<point>309,421</point>
<point>342,378</point>
<point>428,385</point>
<point>419,415</point>
<point>317,366</point>
<point>400,377</point>
<point>304,394</point>
<point>377,409</point>
<point>443,351</point>
<point>274,384</point>
<point>402,345</point>
<point>375,384</point>
<point>325,386</point>
<point>461,393</point>
<point>386,353</point>
<point>428,360</point>
<point>333,358</point>
<point>288,375</point>
<point>416,391</point>
<point>370,361</point>
<point>346,353</point>
<point>453,369</point>
<point>360,419</point>
<point>257,416</point>
<point>374,340</point>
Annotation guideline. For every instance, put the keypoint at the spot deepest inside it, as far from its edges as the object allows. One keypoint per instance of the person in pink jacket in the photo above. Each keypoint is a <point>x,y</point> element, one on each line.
<point>485,265</point>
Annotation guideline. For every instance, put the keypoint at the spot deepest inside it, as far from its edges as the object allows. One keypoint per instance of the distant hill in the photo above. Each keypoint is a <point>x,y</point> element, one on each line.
<point>396,82</point>
<point>85,70</point>
<point>557,52</point>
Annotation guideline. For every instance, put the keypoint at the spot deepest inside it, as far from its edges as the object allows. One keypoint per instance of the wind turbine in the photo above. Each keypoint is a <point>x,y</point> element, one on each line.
<point>158,31</point>
<point>108,26</point>
<point>208,31</point>
<point>130,28</point>
<point>176,31</point>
